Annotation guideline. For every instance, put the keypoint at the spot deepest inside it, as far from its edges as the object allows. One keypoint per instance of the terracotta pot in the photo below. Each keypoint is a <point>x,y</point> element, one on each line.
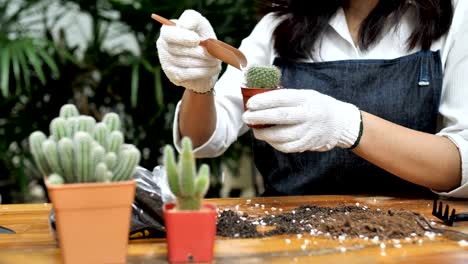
<point>93,220</point>
<point>190,235</point>
<point>249,92</point>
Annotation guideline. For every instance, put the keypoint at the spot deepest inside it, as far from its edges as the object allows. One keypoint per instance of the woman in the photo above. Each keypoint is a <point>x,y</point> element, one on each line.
<point>374,98</point>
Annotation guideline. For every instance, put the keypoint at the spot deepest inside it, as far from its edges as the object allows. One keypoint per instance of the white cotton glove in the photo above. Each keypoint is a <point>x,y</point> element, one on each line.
<point>304,120</point>
<point>182,59</point>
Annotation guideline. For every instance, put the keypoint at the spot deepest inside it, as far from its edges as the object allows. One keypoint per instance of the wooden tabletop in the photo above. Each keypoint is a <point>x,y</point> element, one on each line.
<point>34,243</point>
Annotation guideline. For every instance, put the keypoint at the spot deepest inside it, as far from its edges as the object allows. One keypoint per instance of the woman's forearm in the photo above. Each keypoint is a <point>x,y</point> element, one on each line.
<point>422,158</point>
<point>197,116</point>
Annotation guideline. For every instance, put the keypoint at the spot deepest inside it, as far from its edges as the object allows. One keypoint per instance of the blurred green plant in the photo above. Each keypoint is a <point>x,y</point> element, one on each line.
<point>27,62</point>
<point>40,71</point>
<point>20,53</point>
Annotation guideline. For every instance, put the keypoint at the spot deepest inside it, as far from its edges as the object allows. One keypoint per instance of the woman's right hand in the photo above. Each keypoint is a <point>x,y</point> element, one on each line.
<point>183,60</point>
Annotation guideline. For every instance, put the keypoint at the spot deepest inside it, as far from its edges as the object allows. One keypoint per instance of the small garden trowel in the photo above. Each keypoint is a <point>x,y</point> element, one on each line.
<point>216,48</point>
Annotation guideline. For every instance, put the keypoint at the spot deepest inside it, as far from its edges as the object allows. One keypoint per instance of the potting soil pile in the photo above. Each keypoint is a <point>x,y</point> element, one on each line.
<point>349,221</point>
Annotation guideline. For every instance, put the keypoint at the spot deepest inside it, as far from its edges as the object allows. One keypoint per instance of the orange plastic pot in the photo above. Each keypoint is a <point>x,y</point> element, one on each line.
<point>93,220</point>
<point>190,235</point>
<point>249,92</point>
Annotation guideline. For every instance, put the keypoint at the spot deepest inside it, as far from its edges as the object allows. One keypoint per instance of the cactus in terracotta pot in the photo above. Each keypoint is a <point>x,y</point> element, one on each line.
<point>186,184</point>
<point>262,76</point>
<point>260,79</point>
<point>88,170</point>
<point>80,150</point>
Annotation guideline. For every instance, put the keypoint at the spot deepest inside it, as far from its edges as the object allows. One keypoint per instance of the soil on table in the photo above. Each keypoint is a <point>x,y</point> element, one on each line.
<point>349,221</point>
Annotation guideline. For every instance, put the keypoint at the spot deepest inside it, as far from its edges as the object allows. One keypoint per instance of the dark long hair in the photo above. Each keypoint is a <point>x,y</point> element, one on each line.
<point>305,22</point>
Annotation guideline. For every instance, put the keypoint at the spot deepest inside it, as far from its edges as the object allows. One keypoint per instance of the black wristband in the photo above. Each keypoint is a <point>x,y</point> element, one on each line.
<point>361,128</point>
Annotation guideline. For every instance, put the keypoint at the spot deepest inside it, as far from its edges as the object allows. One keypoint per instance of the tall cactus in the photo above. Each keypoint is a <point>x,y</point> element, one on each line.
<point>262,76</point>
<point>184,182</point>
<point>81,150</point>
<point>35,144</point>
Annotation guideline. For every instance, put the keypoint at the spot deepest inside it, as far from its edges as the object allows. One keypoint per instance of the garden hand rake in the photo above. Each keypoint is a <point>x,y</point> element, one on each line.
<point>445,217</point>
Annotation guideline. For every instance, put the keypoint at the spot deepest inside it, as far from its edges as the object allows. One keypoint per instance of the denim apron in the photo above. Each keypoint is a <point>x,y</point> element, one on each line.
<point>405,91</point>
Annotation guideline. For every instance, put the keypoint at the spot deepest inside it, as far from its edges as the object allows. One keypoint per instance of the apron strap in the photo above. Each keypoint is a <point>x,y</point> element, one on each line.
<point>424,72</point>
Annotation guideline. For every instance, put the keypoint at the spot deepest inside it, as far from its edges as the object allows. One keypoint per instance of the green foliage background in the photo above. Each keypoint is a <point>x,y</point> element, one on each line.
<point>39,73</point>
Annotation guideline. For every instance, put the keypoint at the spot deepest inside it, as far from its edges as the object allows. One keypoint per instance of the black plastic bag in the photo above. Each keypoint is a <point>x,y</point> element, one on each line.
<point>151,193</point>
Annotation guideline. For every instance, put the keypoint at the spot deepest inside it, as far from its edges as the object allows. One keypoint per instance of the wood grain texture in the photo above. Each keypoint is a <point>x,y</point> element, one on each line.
<point>34,242</point>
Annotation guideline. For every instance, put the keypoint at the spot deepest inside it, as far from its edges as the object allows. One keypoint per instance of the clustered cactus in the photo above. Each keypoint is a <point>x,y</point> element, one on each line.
<point>184,182</point>
<point>262,76</point>
<point>81,150</point>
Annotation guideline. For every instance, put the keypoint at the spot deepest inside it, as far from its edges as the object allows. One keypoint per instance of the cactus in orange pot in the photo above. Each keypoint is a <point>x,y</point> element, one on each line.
<point>190,222</point>
<point>88,171</point>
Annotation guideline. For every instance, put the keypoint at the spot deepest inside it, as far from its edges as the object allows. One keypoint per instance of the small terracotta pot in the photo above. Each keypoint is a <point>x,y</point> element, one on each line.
<point>249,92</point>
<point>93,220</point>
<point>190,235</point>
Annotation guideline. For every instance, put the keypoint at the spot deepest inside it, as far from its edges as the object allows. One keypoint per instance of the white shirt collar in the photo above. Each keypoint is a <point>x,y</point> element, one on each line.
<point>340,26</point>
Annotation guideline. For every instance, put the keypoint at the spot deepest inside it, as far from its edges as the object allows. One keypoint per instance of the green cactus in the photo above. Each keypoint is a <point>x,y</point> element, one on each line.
<point>110,160</point>
<point>72,126</point>
<point>97,156</point>
<point>50,149</point>
<point>65,150</point>
<point>184,182</point>
<point>101,134</point>
<point>55,179</point>
<point>112,121</point>
<point>86,124</point>
<point>81,150</point>
<point>128,159</point>
<point>115,141</point>
<point>102,172</point>
<point>35,144</point>
<point>58,128</point>
<point>68,111</point>
<point>262,76</point>
<point>83,143</point>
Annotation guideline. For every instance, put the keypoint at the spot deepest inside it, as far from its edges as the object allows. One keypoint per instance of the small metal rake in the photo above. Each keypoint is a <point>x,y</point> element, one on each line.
<point>445,217</point>
<point>447,233</point>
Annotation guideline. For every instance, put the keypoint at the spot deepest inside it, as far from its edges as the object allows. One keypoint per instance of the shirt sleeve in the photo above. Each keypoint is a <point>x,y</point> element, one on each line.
<point>257,48</point>
<point>453,106</point>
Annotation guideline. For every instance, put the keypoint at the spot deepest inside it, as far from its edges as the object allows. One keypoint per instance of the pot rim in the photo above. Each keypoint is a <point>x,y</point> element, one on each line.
<point>257,88</point>
<point>169,208</point>
<point>88,184</point>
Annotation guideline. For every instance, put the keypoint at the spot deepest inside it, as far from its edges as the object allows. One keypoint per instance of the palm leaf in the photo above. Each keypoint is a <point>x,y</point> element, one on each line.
<point>24,69</point>
<point>158,89</point>
<point>5,70</point>
<point>16,66</point>
<point>135,81</point>
<point>31,53</point>
<point>50,62</point>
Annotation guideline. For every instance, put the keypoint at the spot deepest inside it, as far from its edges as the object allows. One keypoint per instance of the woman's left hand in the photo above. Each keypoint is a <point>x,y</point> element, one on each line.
<point>304,120</point>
